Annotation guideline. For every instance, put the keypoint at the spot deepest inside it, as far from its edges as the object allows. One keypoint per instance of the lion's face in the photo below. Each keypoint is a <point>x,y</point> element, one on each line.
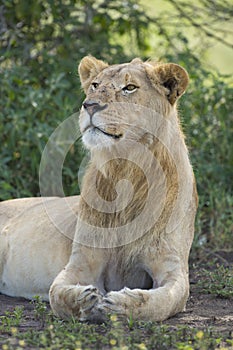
<point>123,101</point>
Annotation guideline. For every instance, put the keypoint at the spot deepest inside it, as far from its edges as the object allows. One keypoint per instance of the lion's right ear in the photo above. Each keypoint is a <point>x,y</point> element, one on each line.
<point>88,69</point>
<point>171,76</point>
<point>174,78</point>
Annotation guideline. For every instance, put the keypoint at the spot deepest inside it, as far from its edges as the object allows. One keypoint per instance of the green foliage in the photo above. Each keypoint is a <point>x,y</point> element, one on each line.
<point>28,116</point>
<point>40,309</point>
<point>39,52</point>
<point>207,119</point>
<point>11,319</point>
<point>218,282</point>
<point>57,334</point>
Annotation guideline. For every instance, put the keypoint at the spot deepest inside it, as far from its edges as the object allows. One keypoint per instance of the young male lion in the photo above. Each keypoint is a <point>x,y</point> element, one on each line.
<point>135,216</point>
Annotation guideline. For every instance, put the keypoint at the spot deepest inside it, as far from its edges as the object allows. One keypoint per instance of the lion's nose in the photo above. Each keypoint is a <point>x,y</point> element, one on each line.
<point>92,107</point>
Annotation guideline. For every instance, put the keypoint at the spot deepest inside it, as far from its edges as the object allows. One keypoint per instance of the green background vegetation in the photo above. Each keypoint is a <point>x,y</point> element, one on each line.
<point>41,43</point>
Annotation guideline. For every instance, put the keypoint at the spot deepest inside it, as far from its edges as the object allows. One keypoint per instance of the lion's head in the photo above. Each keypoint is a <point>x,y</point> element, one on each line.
<point>121,100</point>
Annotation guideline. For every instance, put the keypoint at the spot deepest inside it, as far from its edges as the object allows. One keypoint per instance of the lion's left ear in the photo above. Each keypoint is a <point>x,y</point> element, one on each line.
<point>88,69</point>
<point>171,76</point>
<point>174,78</point>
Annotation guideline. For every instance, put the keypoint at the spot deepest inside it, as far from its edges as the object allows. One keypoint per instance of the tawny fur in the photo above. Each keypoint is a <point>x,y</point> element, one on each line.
<point>117,264</point>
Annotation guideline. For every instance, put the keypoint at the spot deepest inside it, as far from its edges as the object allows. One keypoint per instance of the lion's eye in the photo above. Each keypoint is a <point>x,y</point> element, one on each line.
<point>129,88</point>
<point>94,85</point>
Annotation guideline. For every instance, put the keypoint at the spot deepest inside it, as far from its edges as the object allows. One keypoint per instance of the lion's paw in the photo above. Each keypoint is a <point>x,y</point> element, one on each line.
<point>108,306</point>
<point>123,302</point>
<point>87,303</point>
<point>87,295</point>
<point>77,301</point>
<point>87,300</point>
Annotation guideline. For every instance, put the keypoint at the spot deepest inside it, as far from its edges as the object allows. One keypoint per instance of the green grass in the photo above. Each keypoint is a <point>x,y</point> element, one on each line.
<point>58,334</point>
<point>11,319</point>
<point>218,282</point>
<point>53,333</point>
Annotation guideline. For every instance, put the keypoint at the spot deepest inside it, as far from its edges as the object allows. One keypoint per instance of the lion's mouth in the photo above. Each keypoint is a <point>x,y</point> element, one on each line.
<point>115,136</point>
<point>95,128</point>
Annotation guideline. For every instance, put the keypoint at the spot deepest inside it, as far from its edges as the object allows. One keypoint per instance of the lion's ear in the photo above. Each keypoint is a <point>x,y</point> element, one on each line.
<point>174,78</point>
<point>88,69</point>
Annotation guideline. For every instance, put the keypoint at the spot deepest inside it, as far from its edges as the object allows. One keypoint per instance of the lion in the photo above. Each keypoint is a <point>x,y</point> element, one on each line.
<point>129,236</point>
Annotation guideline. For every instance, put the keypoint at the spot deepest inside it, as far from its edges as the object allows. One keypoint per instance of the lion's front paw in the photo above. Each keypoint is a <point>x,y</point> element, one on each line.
<point>123,303</point>
<point>78,301</point>
<point>111,305</point>
<point>89,300</point>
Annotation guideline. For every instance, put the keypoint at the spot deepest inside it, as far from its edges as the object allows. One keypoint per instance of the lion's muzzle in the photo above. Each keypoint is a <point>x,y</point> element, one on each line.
<point>92,107</point>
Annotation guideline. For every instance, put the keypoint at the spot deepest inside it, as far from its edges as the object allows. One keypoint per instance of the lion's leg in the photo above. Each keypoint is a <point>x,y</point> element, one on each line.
<point>76,290</point>
<point>166,298</point>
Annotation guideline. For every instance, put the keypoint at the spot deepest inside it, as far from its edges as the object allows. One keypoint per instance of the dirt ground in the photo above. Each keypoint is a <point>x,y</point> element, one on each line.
<point>203,310</point>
